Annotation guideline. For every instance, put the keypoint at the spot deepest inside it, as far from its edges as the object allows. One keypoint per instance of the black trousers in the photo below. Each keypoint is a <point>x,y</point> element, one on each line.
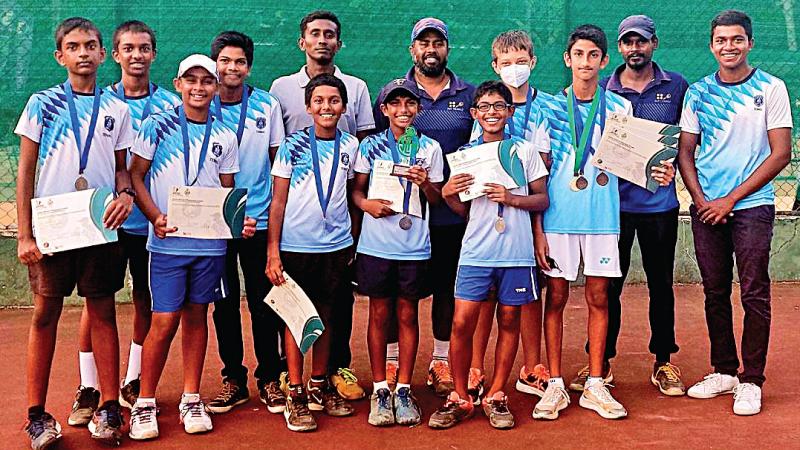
<point>267,326</point>
<point>445,252</point>
<point>342,321</point>
<point>657,234</point>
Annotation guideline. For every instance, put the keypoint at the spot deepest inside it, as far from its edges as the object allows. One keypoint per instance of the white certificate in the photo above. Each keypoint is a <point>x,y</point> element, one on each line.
<point>206,213</point>
<point>295,308</point>
<point>385,186</point>
<point>665,133</point>
<point>73,220</point>
<point>488,163</point>
<point>630,153</point>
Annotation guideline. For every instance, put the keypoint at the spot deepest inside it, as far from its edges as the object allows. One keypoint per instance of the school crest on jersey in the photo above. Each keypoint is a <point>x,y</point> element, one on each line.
<point>109,123</point>
<point>261,122</point>
<point>758,100</point>
<point>216,149</point>
<point>345,159</point>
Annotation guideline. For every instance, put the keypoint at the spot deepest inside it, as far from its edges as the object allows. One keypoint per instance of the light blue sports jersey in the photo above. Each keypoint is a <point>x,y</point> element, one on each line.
<point>732,120</point>
<point>594,210</point>
<point>160,100</point>
<point>263,129</point>
<point>483,246</point>
<point>46,120</point>
<point>160,141</point>
<point>383,237</point>
<point>304,229</point>
<point>541,101</point>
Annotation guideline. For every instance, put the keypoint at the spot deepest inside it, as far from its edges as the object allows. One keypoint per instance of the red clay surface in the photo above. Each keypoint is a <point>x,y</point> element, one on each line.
<point>654,420</point>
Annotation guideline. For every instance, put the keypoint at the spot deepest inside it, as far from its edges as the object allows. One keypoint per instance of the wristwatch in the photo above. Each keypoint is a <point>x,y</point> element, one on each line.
<point>128,191</point>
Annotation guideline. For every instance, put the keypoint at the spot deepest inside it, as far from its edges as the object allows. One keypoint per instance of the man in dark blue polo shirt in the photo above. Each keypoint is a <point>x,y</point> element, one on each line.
<point>444,116</point>
<point>656,95</point>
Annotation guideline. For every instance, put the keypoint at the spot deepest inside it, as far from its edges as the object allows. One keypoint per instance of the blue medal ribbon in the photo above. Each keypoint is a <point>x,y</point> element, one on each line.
<point>324,200</point>
<point>83,150</point>
<point>187,148</point>
<point>525,119</point>
<point>242,113</point>
<point>396,158</point>
<point>151,88</point>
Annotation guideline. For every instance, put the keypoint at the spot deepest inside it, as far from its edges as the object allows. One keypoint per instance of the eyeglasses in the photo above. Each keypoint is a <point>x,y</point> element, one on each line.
<point>499,106</point>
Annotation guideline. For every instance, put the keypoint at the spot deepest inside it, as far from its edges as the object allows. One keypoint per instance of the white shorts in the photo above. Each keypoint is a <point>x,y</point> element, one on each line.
<point>599,251</point>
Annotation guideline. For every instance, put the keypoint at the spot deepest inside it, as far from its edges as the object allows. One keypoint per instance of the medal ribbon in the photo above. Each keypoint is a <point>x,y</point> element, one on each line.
<point>525,119</point>
<point>324,200</point>
<point>83,151</point>
<point>242,113</point>
<point>576,126</point>
<point>411,160</point>
<point>186,148</point>
<point>120,91</point>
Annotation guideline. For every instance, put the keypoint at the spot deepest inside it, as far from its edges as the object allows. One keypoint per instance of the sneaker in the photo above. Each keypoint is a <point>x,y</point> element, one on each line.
<point>43,431</point>
<point>496,409</point>
<point>668,379</point>
<point>746,399</point>
<point>106,424</point>
<point>534,383</point>
<point>298,416</point>
<point>713,384</point>
<point>232,395</point>
<point>475,385</point>
<point>440,378</point>
<point>144,424</point>
<point>194,417</point>
<point>579,381</point>
<point>323,397</point>
<point>406,410</point>
<point>283,378</point>
<point>87,400</point>
<point>391,373</point>
<point>380,408</point>
<point>128,393</point>
<point>555,399</point>
<point>272,396</point>
<point>454,410</point>
<point>346,383</point>
<point>597,397</point>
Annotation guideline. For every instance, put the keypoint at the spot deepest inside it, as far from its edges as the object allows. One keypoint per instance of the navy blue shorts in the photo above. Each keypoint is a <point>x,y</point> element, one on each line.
<point>176,279</point>
<point>515,286</point>
<point>389,278</point>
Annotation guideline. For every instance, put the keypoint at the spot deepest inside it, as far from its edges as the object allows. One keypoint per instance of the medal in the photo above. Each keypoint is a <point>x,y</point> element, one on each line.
<point>81,183</point>
<point>405,223</point>
<point>602,179</point>
<point>500,225</point>
<point>581,136</point>
<point>324,200</point>
<point>579,183</point>
<point>83,150</point>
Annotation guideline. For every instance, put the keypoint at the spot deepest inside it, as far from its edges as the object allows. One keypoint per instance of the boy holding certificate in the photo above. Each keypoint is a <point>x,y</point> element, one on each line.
<point>134,50</point>
<point>497,251</point>
<point>309,236</point>
<point>78,135</point>
<point>582,221</point>
<point>186,146</point>
<point>394,246</point>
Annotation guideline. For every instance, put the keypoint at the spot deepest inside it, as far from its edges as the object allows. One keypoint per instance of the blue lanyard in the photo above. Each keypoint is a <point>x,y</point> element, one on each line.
<point>525,119</point>
<point>324,200</point>
<point>242,113</point>
<point>120,90</point>
<point>187,148</point>
<point>582,139</point>
<point>83,150</point>
<point>396,158</point>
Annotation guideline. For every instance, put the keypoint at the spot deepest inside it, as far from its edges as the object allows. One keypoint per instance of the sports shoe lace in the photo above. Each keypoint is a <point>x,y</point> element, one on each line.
<point>500,405</point>
<point>383,399</point>
<point>552,395</point>
<point>228,391</point>
<point>442,371</point>
<point>192,409</point>
<point>744,391</point>
<point>36,427</point>
<point>584,373</point>
<point>711,380</point>
<point>601,391</point>
<point>348,375</point>
<point>274,391</point>
<point>113,416</point>
<point>301,408</point>
<point>143,415</point>
<point>672,373</point>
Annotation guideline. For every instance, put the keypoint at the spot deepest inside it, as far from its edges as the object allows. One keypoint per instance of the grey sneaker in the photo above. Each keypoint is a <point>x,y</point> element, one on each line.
<point>87,400</point>
<point>298,416</point>
<point>496,409</point>
<point>106,424</point>
<point>579,381</point>
<point>454,410</point>
<point>668,379</point>
<point>380,408</point>
<point>43,431</point>
<point>406,410</point>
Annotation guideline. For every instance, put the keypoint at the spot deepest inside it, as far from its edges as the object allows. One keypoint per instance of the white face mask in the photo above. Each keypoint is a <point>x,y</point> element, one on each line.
<point>515,75</point>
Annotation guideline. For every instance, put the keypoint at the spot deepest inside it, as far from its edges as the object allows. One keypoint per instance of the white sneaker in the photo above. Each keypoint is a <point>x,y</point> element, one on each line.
<point>598,398</point>
<point>194,417</point>
<point>555,399</point>
<point>713,384</point>
<point>746,399</point>
<point>143,421</point>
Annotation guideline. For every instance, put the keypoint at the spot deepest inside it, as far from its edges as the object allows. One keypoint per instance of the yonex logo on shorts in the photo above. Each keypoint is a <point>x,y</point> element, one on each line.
<point>605,260</point>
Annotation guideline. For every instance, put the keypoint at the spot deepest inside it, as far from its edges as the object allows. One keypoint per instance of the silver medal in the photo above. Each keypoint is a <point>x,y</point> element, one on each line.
<point>405,223</point>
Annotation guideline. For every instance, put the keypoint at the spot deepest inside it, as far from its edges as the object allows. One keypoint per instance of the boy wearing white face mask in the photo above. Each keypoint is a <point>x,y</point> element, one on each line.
<point>513,59</point>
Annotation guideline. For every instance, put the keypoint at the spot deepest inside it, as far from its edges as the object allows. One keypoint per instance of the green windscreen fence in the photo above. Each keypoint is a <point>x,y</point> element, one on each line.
<point>376,39</point>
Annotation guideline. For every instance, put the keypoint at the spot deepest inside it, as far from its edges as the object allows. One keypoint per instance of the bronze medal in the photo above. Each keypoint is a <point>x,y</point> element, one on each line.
<point>500,225</point>
<point>602,179</point>
<point>81,183</point>
<point>581,182</point>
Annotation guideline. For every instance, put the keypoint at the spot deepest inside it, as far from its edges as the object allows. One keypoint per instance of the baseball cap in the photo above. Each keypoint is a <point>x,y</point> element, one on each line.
<point>429,23</point>
<point>396,87</point>
<point>639,24</point>
<point>198,60</point>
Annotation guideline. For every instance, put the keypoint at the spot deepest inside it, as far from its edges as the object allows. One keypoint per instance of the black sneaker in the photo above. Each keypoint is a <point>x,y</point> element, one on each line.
<point>324,397</point>
<point>272,396</point>
<point>106,424</point>
<point>87,400</point>
<point>128,393</point>
<point>298,416</point>
<point>231,396</point>
<point>43,431</point>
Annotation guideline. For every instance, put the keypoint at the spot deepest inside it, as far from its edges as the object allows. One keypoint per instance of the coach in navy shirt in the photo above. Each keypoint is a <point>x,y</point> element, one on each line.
<point>656,95</point>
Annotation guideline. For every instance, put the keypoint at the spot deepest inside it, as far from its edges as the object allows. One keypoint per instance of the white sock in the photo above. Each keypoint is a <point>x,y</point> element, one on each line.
<point>557,381</point>
<point>88,369</point>
<point>440,349</point>
<point>380,385</point>
<point>401,385</point>
<point>143,401</point>
<point>189,397</point>
<point>134,363</point>
<point>592,380</point>
<point>392,351</point>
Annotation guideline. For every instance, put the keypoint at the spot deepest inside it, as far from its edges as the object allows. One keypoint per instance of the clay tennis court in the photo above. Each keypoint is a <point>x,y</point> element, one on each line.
<point>654,421</point>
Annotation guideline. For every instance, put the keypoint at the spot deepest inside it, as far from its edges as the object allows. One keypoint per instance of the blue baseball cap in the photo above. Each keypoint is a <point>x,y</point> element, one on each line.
<point>429,23</point>
<point>639,24</point>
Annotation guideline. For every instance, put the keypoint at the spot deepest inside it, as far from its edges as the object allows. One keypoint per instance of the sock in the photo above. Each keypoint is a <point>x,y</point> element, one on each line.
<point>402,385</point>
<point>88,369</point>
<point>556,381</point>
<point>440,349</point>
<point>318,379</point>
<point>392,351</point>
<point>189,397</point>
<point>134,363</point>
<point>35,411</point>
<point>143,401</point>
<point>380,385</point>
<point>592,380</point>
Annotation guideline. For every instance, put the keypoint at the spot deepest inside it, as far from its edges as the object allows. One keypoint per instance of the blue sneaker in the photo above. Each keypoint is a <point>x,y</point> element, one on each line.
<point>406,409</point>
<point>380,408</point>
